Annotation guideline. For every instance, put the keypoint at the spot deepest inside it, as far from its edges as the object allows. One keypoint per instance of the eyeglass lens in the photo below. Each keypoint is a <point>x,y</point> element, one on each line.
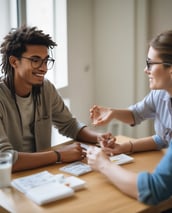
<point>38,62</point>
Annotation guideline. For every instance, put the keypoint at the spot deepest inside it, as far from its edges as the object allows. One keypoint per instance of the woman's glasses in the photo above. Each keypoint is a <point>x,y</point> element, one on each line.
<point>150,63</point>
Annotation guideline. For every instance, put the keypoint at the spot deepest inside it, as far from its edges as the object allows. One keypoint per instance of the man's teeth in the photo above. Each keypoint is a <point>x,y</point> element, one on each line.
<point>39,74</point>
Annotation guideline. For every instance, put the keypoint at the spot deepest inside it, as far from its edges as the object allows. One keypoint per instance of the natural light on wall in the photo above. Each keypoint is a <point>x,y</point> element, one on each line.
<point>8,17</point>
<point>51,17</point>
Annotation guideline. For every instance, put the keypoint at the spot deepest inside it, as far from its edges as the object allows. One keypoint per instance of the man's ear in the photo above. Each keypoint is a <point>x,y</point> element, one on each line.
<point>13,61</point>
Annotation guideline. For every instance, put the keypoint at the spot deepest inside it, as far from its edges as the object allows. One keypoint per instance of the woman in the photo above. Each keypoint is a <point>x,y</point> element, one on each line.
<point>147,188</point>
<point>156,105</point>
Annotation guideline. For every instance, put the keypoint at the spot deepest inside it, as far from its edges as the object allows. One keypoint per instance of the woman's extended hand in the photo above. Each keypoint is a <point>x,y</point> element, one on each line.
<point>100,115</point>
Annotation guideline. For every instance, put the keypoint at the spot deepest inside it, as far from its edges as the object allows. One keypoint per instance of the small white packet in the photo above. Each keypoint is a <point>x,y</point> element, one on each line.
<point>77,168</point>
<point>121,159</point>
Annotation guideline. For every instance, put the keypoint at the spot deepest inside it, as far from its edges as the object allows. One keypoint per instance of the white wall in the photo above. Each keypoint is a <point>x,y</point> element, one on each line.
<point>105,37</point>
<point>160,16</point>
<point>114,34</point>
<point>80,58</point>
<point>5,18</point>
<point>113,52</point>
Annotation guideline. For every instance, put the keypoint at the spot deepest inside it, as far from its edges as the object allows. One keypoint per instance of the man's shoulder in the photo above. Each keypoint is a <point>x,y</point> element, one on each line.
<point>47,82</point>
<point>49,87</point>
<point>3,87</point>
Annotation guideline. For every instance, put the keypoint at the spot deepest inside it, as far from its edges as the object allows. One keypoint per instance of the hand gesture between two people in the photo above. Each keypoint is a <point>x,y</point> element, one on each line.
<point>101,116</point>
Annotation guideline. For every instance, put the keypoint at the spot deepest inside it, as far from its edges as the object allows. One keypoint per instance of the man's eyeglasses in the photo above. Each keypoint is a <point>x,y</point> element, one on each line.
<point>37,62</point>
<point>150,63</point>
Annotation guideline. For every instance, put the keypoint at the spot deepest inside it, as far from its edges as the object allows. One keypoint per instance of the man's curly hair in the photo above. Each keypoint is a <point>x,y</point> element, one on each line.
<point>14,44</point>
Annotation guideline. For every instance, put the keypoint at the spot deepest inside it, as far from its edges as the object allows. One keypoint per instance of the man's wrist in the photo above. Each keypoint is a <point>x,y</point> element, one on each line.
<point>58,156</point>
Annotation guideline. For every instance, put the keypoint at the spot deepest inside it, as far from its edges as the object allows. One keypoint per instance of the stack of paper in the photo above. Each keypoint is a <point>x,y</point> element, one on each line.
<point>45,187</point>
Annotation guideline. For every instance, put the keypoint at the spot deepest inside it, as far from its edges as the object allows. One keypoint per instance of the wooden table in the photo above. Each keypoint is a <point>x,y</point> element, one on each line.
<point>100,196</point>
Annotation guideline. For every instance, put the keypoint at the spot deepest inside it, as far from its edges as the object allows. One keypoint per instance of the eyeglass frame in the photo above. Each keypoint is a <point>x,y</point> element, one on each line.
<point>149,63</point>
<point>31,59</point>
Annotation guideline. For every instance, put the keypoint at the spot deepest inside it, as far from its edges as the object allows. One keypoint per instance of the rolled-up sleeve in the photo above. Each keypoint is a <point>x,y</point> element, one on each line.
<point>156,106</point>
<point>156,187</point>
<point>144,109</point>
<point>160,142</point>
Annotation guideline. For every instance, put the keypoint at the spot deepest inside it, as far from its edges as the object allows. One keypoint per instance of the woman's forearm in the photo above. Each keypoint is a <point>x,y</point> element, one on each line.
<point>123,115</point>
<point>123,179</point>
<point>143,144</point>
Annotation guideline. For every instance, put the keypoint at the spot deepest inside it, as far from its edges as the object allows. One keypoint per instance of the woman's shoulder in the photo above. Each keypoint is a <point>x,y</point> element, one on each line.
<point>160,94</point>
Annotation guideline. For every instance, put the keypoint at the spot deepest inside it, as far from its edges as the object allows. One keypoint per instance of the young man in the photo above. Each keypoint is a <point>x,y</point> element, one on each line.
<point>30,104</point>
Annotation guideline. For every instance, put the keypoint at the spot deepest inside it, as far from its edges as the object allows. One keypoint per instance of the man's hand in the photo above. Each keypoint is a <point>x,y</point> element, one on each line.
<point>71,152</point>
